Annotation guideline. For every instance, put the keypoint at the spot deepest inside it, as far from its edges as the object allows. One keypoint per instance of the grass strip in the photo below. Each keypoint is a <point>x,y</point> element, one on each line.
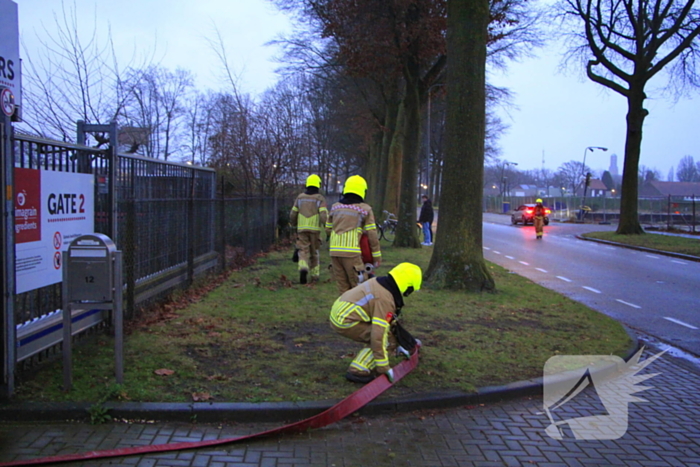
<point>261,336</point>
<point>672,243</point>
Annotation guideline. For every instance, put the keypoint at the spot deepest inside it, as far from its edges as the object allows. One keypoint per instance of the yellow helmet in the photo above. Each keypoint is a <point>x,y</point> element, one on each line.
<point>313,180</point>
<point>408,277</point>
<point>538,200</point>
<point>356,185</point>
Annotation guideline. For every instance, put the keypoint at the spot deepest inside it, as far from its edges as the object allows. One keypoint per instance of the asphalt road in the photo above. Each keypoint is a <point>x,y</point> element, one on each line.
<point>655,294</point>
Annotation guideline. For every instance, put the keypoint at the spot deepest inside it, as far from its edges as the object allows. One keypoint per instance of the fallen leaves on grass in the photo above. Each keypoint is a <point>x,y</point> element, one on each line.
<point>164,372</point>
<point>201,396</point>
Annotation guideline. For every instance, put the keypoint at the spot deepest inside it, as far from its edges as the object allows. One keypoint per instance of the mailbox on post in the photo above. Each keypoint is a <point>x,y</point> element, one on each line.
<point>92,278</point>
<point>90,270</point>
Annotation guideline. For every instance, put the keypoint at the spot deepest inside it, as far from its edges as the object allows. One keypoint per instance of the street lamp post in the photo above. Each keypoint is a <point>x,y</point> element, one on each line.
<point>582,212</point>
<point>503,178</point>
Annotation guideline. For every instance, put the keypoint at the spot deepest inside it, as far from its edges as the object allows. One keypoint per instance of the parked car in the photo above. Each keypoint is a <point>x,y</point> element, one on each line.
<point>526,214</point>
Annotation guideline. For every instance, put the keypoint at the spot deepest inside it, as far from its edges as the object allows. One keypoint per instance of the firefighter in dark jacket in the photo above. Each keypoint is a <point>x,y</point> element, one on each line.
<point>426,220</point>
<point>309,215</point>
<point>365,313</point>
<point>538,218</point>
<point>347,220</point>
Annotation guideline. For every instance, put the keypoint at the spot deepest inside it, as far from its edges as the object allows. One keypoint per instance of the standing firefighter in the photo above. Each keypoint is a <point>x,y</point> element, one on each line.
<point>309,216</point>
<point>368,314</point>
<point>347,221</point>
<point>538,215</point>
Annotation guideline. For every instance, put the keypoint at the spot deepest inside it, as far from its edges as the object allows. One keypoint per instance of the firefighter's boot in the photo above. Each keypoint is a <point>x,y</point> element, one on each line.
<point>303,271</point>
<point>361,368</point>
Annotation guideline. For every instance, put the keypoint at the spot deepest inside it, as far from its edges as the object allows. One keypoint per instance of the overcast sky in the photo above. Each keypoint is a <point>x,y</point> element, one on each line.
<point>555,114</point>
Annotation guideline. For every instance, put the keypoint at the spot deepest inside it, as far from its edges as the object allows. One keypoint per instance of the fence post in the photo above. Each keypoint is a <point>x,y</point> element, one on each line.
<point>7,253</point>
<point>668,216</point>
<point>190,232</point>
<point>693,212</point>
<point>130,258</point>
<point>222,228</point>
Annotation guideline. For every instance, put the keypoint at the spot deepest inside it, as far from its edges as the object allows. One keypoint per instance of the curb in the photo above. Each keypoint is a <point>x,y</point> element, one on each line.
<point>641,248</point>
<point>248,412</point>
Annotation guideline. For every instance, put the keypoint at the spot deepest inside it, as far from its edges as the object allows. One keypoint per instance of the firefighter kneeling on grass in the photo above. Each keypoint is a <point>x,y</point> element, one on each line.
<point>367,314</point>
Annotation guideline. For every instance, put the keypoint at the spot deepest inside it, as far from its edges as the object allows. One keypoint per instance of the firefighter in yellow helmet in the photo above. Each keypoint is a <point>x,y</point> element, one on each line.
<point>347,220</point>
<point>538,218</point>
<point>309,215</point>
<point>365,314</point>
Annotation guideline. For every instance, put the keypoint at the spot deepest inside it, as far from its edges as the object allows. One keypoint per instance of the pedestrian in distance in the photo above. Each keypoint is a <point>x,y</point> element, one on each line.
<point>309,214</point>
<point>538,218</point>
<point>426,220</point>
<point>368,314</point>
<point>348,220</point>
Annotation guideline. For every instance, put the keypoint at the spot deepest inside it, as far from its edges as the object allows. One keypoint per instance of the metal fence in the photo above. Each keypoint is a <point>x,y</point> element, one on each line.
<point>168,220</point>
<point>667,212</point>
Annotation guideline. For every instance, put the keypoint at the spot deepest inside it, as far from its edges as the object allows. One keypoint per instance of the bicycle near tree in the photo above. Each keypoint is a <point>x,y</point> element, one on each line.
<point>387,229</point>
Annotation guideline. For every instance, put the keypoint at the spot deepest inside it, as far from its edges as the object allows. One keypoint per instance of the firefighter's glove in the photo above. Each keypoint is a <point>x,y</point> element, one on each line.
<point>418,343</point>
<point>390,375</point>
<point>400,351</point>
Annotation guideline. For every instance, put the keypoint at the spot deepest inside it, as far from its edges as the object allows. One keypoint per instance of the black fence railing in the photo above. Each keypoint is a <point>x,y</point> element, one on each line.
<point>169,222</point>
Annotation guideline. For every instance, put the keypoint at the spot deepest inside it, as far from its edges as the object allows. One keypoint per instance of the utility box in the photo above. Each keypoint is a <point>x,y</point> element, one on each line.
<point>90,268</point>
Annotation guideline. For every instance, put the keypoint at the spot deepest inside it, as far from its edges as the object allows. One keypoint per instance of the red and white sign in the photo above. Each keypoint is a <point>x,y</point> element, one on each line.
<point>7,102</point>
<point>51,209</point>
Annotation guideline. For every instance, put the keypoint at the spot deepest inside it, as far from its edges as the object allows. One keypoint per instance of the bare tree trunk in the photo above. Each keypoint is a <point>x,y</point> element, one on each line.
<point>392,115</point>
<point>394,163</point>
<point>629,216</point>
<point>406,232</point>
<point>457,261</point>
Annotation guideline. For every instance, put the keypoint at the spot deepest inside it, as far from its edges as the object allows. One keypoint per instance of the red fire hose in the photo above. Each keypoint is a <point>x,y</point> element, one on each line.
<point>342,409</point>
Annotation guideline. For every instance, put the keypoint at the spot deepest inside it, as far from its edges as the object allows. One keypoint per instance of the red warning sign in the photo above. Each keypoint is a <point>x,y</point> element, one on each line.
<point>57,260</point>
<point>57,240</point>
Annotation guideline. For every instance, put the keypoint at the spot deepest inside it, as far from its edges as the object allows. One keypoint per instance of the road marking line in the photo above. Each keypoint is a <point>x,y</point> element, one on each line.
<point>496,252</point>
<point>563,278</point>
<point>680,322</point>
<point>542,270</point>
<point>509,257</point>
<point>678,262</point>
<point>523,262</point>
<point>592,289</point>
<point>486,248</point>
<point>609,248</point>
<point>628,303</point>
<point>652,256</point>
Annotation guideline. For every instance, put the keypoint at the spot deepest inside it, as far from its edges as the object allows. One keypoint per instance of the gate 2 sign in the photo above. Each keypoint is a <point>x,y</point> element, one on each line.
<point>51,209</point>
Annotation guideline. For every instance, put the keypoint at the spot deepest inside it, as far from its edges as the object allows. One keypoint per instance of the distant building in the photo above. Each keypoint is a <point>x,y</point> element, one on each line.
<point>676,190</point>
<point>596,189</point>
<point>613,166</point>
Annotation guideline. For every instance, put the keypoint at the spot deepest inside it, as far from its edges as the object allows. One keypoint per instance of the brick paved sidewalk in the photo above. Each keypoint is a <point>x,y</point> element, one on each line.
<point>662,432</point>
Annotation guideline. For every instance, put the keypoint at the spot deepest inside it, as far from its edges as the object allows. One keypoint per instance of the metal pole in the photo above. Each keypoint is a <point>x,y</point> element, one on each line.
<point>8,257</point>
<point>693,213</point>
<point>67,331</point>
<point>118,316</point>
